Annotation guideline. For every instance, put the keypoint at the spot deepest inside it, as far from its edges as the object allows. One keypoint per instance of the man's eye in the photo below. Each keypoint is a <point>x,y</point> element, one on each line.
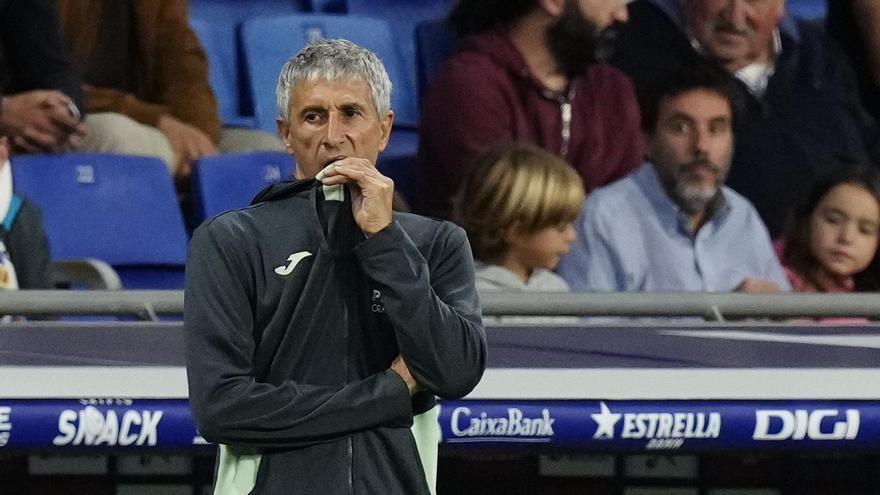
<point>312,117</point>
<point>679,127</point>
<point>351,113</point>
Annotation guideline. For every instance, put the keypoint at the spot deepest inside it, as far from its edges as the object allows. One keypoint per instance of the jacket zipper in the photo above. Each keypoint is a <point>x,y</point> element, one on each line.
<point>349,446</point>
<point>564,101</point>
<point>565,108</point>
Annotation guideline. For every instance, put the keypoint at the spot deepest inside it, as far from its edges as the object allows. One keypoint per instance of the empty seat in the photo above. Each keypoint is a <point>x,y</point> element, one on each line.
<point>116,208</point>
<point>216,23</point>
<point>807,9</point>
<point>225,182</point>
<point>404,15</point>
<point>269,42</point>
<point>435,42</point>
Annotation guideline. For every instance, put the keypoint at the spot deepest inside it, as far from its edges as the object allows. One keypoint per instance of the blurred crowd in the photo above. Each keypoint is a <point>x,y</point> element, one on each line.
<point>589,145</point>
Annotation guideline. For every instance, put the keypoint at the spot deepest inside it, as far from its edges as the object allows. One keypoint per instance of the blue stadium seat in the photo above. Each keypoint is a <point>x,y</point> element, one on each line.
<point>223,72</point>
<point>327,6</point>
<point>269,42</point>
<point>116,208</point>
<point>225,182</point>
<point>216,23</point>
<point>435,42</point>
<point>404,15</point>
<point>807,9</point>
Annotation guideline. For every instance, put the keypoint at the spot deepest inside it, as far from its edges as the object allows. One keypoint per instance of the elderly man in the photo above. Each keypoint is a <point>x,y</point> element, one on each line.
<point>317,321</point>
<point>527,71</point>
<point>672,225</point>
<point>801,102</point>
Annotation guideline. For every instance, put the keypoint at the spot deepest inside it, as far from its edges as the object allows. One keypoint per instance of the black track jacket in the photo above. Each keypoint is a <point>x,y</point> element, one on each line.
<point>292,319</point>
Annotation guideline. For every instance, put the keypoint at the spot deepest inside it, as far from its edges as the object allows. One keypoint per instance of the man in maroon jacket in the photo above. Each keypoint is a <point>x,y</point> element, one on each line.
<point>527,70</point>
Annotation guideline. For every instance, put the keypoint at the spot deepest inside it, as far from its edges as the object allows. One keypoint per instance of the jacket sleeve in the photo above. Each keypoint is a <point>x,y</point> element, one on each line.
<point>434,309</point>
<point>230,404</point>
<point>36,54</point>
<point>178,79</point>
<point>182,71</point>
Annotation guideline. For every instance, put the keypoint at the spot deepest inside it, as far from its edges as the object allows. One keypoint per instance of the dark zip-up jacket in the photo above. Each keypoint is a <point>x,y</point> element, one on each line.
<point>486,95</point>
<point>288,353</point>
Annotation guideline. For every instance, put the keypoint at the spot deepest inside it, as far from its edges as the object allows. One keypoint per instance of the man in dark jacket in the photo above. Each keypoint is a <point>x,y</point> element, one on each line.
<point>318,322</point>
<point>40,95</point>
<point>802,109</point>
<point>526,71</point>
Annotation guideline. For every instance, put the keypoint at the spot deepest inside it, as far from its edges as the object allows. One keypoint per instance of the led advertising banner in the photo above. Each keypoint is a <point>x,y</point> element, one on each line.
<point>590,426</point>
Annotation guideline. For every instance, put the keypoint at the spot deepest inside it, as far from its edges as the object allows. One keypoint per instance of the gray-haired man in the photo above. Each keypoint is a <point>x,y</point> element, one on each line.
<point>318,322</point>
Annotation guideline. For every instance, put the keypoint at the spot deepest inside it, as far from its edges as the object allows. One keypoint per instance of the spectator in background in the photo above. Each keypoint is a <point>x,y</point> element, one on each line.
<point>517,207</point>
<point>526,71</point>
<point>147,87</point>
<point>801,105</point>
<point>855,24</point>
<point>672,225</point>
<point>40,95</point>
<point>831,243</point>
<point>24,249</point>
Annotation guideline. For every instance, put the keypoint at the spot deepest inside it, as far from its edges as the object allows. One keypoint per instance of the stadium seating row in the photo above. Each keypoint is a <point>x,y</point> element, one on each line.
<point>124,210</point>
<point>242,74</point>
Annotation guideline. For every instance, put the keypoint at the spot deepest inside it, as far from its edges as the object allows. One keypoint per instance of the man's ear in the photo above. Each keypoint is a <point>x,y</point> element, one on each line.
<point>283,129</point>
<point>385,125</point>
<point>552,7</point>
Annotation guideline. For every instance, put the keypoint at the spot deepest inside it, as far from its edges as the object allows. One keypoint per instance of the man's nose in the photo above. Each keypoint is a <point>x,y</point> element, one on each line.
<point>735,12</point>
<point>335,130</point>
<point>621,14</point>
<point>701,142</point>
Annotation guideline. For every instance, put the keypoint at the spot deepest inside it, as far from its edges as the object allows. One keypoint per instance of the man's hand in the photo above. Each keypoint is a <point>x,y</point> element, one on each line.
<point>371,196</point>
<point>756,285</point>
<point>399,366</point>
<point>41,121</point>
<point>188,142</point>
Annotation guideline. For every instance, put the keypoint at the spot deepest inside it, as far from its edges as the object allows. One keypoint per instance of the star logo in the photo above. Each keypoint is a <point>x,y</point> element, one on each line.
<point>606,421</point>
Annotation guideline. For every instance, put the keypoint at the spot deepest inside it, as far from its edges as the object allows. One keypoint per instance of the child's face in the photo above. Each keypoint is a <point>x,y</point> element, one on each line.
<point>844,230</point>
<point>544,248</point>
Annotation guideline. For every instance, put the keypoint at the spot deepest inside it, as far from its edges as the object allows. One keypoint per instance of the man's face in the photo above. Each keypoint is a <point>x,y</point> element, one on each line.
<point>691,147</point>
<point>333,120</point>
<point>580,34</point>
<point>735,32</point>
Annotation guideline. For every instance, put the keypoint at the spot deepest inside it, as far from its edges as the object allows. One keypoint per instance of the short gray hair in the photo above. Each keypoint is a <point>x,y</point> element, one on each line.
<point>333,59</point>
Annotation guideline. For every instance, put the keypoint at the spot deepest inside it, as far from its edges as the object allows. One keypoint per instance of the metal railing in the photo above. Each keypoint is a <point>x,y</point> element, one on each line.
<point>148,305</point>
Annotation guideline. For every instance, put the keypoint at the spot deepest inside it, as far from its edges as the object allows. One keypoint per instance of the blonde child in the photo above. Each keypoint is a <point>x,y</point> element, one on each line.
<point>517,207</point>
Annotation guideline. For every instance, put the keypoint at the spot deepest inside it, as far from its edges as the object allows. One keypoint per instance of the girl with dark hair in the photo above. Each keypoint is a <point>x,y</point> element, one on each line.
<point>831,242</point>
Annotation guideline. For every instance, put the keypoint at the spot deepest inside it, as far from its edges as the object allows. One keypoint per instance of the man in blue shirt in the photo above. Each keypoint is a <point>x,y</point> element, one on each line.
<point>672,225</point>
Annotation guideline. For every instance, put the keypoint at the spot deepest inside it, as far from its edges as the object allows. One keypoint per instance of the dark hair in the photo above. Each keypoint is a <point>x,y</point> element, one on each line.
<point>476,16</point>
<point>680,80</point>
<point>798,254</point>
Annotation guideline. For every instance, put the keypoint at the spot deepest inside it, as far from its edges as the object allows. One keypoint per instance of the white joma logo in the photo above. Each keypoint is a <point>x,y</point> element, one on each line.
<point>294,259</point>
